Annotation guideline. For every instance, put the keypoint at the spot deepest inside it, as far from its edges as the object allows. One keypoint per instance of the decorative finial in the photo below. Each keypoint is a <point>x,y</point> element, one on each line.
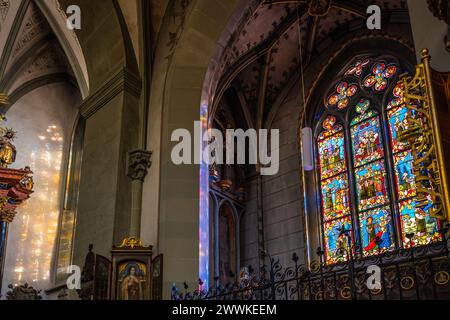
<point>425,53</point>
<point>3,98</point>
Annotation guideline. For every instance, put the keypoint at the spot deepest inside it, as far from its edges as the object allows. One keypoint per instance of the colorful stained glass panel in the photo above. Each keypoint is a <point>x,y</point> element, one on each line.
<point>418,228</point>
<point>358,68</point>
<point>332,155</point>
<point>366,141</point>
<point>341,98</point>
<point>336,243</point>
<point>330,128</point>
<point>379,79</point>
<point>362,108</point>
<point>398,123</point>
<point>406,186</point>
<point>335,197</point>
<point>376,231</point>
<point>371,186</point>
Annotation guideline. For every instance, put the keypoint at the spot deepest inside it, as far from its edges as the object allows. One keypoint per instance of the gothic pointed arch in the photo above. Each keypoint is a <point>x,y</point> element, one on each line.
<point>365,183</point>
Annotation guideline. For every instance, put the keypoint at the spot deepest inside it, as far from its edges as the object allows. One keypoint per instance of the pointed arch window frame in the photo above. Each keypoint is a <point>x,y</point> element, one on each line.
<point>381,102</point>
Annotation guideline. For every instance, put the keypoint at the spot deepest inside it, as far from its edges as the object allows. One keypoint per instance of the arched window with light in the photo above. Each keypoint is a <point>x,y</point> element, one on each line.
<point>365,176</point>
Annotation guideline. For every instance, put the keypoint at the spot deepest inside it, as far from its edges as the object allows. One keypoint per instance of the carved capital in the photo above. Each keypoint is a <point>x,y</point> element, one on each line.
<point>138,164</point>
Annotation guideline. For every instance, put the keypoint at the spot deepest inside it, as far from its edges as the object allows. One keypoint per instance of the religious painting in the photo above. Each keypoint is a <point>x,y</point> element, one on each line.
<point>132,281</point>
<point>366,141</point>
<point>371,185</point>
<point>336,242</point>
<point>376,231</point>
<point>406,185</point>
<point>335,197</point>
<point>418,228</point>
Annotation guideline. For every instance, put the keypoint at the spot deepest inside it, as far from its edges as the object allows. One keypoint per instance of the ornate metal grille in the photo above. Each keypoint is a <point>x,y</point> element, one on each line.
<point>421,273</point>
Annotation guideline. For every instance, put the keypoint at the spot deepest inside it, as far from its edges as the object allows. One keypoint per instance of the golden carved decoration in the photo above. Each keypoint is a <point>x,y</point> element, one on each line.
<point>423,134</point>
<point>3,99</point>
<point>27,182</point>
<point>132,243</point>
<point>5,214</point>
<point>346,292</point>
<point>375,291</point>
<point>442,278</point>
<point>407,283</point>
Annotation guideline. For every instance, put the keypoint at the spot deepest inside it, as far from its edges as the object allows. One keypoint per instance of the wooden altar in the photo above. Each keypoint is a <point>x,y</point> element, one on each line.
<point>16,186</point>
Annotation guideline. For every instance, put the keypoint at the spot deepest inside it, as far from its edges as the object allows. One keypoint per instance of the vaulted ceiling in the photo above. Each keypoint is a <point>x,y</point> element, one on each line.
<point>263,53</point>
<point>30,51</point>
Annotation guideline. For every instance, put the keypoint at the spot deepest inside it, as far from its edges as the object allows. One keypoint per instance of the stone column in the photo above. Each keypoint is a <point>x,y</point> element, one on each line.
<point>138,164</point>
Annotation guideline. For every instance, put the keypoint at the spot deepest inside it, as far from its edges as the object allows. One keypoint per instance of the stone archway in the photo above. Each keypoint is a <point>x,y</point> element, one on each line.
<point>180,86</point>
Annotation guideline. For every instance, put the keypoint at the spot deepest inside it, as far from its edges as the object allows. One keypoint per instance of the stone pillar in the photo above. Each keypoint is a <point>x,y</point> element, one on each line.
<point>138,165</point>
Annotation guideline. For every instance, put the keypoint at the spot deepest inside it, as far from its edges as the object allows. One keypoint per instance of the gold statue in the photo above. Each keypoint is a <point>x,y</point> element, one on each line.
<point>7,135</point>
<point>7,149</point>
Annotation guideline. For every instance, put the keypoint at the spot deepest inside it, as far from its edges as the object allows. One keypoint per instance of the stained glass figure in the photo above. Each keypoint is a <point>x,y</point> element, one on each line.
<point>406,185</point>
<point>398,123</point>
<point>379,79</point>
<point>366,141</point>
<point>332,155</point>
<point>376,231</point>
<point>418,228</point>
<point>335,197</point>
<point>334,182</point>
<point>343,95</point>
<point>398,96</point>
<point>336,243</point>
<point>358,68</point>
<point>371,185</point>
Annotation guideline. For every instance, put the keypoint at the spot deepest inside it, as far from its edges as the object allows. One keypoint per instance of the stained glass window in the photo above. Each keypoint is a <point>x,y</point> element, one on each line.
<point>335,189</point>
<point>360,153</point>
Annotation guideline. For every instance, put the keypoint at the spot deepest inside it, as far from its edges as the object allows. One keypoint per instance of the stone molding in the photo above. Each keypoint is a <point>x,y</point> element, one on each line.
<point>122,81</point>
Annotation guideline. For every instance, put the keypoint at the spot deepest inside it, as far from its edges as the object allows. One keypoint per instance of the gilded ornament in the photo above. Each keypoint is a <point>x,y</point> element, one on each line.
<point>424,136</point>
<point>346,293</point>
<point>132,243</point>
<point>442,278</point>
<point>407,283</point>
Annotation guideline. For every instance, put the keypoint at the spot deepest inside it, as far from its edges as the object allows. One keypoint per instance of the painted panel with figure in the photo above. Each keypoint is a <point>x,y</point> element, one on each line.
<point>132,281</point>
